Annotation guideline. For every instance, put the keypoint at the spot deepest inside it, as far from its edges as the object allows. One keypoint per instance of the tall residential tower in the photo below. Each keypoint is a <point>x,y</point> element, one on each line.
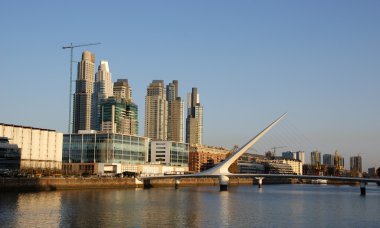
<point>119,113</point>
<point>83,93</point>
<point>156,111</point>
<point>102,90</point>
<point>194,120</point>
<point>175,113</point>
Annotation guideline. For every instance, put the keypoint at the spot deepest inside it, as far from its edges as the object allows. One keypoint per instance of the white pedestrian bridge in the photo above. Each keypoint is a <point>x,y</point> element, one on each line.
<point>221,170</point>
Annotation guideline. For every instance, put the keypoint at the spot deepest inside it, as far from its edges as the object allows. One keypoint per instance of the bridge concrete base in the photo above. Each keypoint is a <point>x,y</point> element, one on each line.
<point>260,181</point>
<point>362,188</point>
<point>176,184</point>
<point>223,182</point>
<point>147,184</point>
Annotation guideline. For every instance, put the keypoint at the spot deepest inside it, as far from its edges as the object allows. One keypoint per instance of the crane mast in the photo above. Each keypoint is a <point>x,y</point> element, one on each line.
<point>71,47</point>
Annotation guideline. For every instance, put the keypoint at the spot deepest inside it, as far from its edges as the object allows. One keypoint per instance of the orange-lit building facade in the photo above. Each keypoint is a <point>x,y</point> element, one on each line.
<point>203,157</point>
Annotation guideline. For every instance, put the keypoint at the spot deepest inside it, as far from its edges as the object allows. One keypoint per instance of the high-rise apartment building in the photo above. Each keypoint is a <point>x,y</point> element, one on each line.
<point>194,120</point>
<point>338,161</point>
<point>328,159</point>
<point>118,113</point>
<point>299,155</point>
<point>102,89</point>
<point>83,93</point>
<point>175,113</point>
<point>156,111</point>
<point>315,158</point>
<point>356,164</point>
<point>121,89</point>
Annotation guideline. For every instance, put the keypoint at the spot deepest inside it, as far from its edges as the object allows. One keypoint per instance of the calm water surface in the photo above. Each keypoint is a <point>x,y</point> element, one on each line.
<point>241,206</point>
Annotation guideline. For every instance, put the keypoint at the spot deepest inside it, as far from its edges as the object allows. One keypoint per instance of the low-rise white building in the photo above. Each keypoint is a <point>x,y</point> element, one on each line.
<point>40,148</point>
<point>169,153</point>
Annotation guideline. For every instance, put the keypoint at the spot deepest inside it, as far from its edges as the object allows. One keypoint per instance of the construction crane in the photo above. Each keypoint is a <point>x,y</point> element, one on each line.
<point>276,147</point>
<point>71,47</point>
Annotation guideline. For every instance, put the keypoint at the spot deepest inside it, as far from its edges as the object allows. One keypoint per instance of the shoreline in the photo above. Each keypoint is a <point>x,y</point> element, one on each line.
<point>53,184</point>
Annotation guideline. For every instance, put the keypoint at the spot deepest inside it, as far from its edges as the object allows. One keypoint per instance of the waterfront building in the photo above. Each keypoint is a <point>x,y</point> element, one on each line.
<point>169,153</point>
<point>315,158</point>
<point>102,90</point>
<point>295,164</point>
<point>202,157</point>
<point>105,148</point>
<point>277,168</point>
<point>175,113</point>
<point>356,164</point>
<point>156,110</point>
<point>328,160</point>
<point>9,155</point>
<point>194,120</point>
<point>109,154</point>
<point>118,116</point>
<point>41,149</point>
<point>250,167</point>
<point>83,93</point>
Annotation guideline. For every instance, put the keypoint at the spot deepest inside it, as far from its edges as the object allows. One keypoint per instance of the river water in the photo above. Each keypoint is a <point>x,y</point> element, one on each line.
<point>241,206</point>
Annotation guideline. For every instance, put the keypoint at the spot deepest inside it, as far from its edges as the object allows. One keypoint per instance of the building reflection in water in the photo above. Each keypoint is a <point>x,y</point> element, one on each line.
<point>38,209</point>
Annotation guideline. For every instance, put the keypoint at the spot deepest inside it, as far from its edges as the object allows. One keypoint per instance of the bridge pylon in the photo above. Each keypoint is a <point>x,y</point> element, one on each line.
<point>221,169</point>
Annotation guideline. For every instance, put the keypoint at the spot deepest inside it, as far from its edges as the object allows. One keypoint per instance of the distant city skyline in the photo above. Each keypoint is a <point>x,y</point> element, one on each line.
<point>251,61</point>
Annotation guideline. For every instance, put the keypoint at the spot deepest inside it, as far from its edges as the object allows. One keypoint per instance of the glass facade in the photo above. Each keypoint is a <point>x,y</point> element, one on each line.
<point>105,148</point>
<point>179,154</point>
<point>122,113</point>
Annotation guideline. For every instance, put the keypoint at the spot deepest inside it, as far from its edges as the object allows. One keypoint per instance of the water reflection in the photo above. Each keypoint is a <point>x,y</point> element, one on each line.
<point>30,209</point>
<point>242,206</point>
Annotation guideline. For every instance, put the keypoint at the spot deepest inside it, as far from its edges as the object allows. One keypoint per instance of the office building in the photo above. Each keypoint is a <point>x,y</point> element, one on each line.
<point>156,111</point>
<point>356,164</point>
<point>83,93</point>
<point>103,89</point>
<point>315,158</point>
<point>194,120</point>
<point>175,113</point>
<point>89,149</point>
<point>41,149</point>
<point>169,153</point>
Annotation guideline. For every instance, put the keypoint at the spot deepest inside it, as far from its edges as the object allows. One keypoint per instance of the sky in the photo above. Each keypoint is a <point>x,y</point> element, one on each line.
<point>250,60</point>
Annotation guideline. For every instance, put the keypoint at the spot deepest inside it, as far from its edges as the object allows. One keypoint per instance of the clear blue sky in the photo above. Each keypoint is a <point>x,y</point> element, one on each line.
<point>251,60</point>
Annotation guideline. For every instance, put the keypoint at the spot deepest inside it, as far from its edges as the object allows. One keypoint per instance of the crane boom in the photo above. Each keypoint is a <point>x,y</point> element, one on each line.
<point>79,45</point>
